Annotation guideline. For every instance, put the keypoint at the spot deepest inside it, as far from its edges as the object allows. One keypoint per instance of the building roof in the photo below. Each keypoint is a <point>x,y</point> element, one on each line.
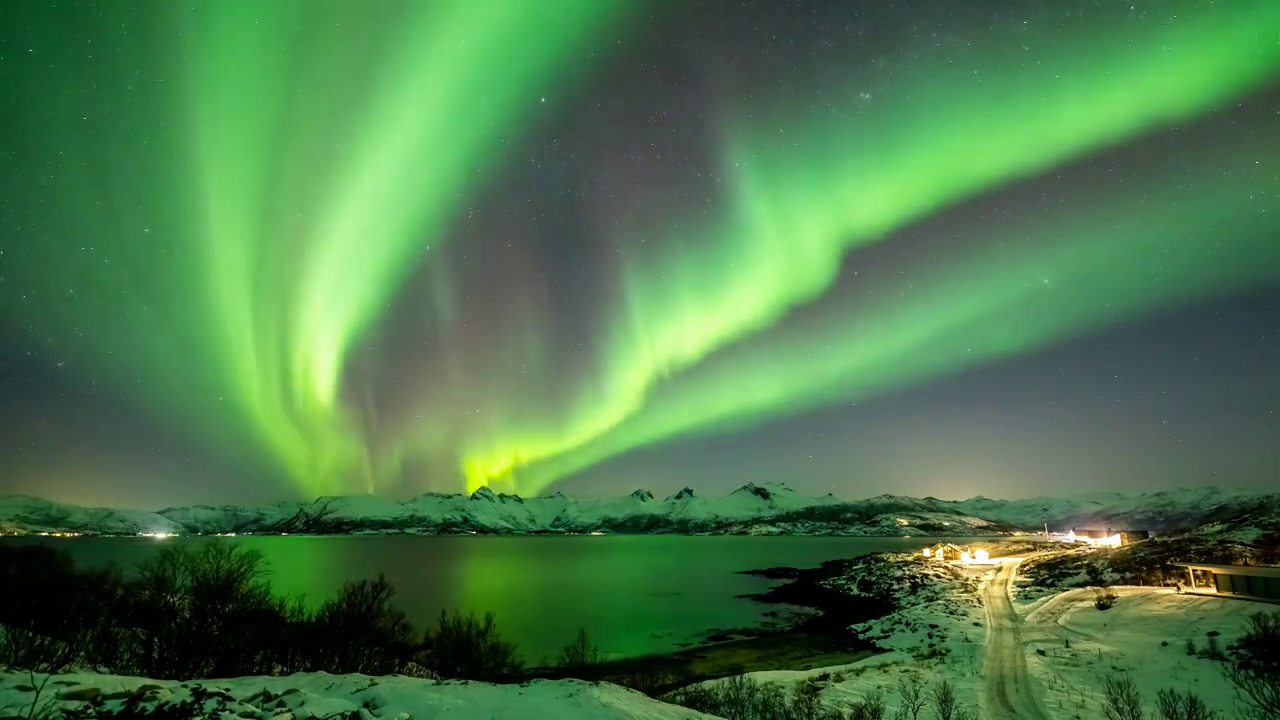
<point>1254,570</point>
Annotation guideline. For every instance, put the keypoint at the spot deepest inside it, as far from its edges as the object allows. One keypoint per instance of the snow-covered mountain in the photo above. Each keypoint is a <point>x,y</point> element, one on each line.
<point>752,509</point>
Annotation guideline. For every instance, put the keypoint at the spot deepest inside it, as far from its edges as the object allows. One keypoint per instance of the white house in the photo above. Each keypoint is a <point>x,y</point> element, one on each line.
<point>1106,538</point>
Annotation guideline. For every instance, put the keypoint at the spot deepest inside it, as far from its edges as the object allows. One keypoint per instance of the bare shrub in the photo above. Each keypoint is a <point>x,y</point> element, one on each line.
<point>871,707</point>
<point>462,646</point>
<point>911,696</point>
<point>201,613</point>
<point>1104,598</point>
<point>580,654</point>
<point>361,631</point>
<point>1254,667</point>
<point>806,699</point>
<point>945,704</point>
<point>742,698</point>
<point>1175,705</point>
<point>1121,700</point>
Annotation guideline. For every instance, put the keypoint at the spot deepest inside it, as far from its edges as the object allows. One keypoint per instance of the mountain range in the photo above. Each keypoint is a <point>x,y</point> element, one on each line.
<point>769,509</point>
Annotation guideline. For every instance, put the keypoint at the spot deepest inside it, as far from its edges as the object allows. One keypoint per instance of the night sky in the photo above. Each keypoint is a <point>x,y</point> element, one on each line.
<point>255,251</point>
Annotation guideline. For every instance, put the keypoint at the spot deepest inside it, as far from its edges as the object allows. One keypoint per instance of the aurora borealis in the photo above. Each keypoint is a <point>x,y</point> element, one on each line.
<point>317,247</point>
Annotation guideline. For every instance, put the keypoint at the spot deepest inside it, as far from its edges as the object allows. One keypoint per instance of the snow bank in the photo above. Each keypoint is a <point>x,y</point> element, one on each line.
<point>318,695</point>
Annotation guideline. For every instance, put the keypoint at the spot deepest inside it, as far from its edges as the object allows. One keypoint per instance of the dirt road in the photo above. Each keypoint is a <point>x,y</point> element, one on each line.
<point>1008,694</point>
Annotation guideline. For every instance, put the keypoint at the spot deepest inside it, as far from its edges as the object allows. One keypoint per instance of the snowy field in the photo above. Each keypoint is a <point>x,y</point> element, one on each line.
<point>1069,645</point>
<point>1144,636</point>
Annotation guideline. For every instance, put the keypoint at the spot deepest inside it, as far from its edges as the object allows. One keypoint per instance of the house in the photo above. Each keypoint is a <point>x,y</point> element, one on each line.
<point>1246,581</point>
<point>945,551</point>
<point>1106,538</point>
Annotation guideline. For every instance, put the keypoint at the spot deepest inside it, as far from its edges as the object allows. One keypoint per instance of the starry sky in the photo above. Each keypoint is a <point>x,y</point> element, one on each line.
<point>257,251</point>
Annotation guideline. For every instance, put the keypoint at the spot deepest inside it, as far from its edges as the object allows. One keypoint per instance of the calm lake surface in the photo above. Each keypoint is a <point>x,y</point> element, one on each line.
<point>634,594</point>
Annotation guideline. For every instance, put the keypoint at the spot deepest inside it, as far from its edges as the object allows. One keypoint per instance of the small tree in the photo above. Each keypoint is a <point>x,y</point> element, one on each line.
<point>360,631</point>
<point>201,613</point>
<point>944,701</point>
<point>912,696</point>
<point>580,654</point>
<point>1121,700</point>
<point>1254,666</point>
<point>461,646</point>
<point>870,707</point>
<point>1175,705</point>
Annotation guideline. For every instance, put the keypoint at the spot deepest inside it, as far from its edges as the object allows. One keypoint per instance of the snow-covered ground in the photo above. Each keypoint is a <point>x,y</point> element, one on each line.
<point>1072,645</point>
<point>318,695</point>
<point>936,633</point>
<point>939,632</point>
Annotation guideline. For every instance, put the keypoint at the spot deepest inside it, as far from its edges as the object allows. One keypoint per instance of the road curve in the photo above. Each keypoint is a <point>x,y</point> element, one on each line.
<point>1008,694</point>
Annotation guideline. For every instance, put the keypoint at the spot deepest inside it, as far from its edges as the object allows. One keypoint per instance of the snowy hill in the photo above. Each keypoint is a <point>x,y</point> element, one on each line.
<point>1165,511</point>
<point>770,509</point>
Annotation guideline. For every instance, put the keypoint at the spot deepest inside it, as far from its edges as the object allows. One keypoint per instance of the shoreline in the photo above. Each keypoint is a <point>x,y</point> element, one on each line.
<point>818,635</point>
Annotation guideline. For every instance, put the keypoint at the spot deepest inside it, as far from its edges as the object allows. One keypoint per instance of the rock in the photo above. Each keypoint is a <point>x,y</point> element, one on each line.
<point>144,689</point>
<point>82,694</point>
<point>24,688</point>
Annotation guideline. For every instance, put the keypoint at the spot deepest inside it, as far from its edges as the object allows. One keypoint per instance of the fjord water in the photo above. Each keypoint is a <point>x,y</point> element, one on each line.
<point>635,594</point>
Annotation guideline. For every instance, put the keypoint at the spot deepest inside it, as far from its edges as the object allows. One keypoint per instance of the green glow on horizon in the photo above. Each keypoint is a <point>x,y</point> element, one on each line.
<point>806,190</point>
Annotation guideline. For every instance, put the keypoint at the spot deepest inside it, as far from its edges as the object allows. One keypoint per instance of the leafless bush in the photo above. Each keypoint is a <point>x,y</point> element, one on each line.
<point>1121,700</point>
<point>462,646</point>
<point>912,696</point>
<point>871,707</point>
<point>201,613</point>
<point>1175,705</point>
<point>944,701</point>
<point>580,654</point>
<point>741,698</point>
<point>1104,598</point>
<point>361,631</point>
<point>1254,667</point>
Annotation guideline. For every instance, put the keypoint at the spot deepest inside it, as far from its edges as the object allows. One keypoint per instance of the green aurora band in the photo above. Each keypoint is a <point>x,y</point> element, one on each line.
<point>258,214</point>
<point>1047,277</point>
<point>304,151</point>
<point>806,191</point>
<point>402,172</point>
